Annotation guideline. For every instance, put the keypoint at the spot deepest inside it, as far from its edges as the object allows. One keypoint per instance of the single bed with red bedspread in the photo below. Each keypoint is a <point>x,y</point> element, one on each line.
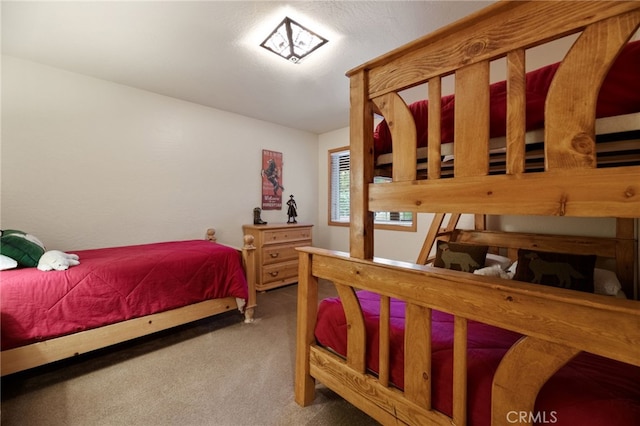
<point>589,390</point>
<point>116,284</point>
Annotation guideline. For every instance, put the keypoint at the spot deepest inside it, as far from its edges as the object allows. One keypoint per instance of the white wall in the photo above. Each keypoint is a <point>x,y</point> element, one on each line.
<point>88,163</point>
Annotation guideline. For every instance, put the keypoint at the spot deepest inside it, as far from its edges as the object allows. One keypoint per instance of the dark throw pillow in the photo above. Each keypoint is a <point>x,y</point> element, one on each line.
<point>562,270</point>
<point>460,256</point>
<point>22,247</point>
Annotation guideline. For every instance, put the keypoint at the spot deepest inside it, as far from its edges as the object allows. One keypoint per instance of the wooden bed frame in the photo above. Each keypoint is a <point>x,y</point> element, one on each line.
<point>41,353</point>
<point>571,184</point>
<point>622,135</point>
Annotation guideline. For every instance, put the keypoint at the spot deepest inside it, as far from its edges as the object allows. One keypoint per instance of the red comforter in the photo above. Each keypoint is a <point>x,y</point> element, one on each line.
<point>619,94</point>
<point>115,284</point>
<point>588,391</point>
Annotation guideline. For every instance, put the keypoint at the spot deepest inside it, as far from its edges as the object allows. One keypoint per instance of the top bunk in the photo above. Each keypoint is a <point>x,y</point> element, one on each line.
<point>569,178</point>
<point>617,126</point>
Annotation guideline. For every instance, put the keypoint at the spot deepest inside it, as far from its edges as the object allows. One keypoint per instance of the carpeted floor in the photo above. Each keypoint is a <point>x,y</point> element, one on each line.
<point>217,371</point>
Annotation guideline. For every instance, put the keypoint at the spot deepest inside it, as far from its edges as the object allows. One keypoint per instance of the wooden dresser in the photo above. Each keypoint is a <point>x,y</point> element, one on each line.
<point>276,255</point>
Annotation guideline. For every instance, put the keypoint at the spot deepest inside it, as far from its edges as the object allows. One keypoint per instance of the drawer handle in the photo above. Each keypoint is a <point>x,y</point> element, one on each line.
<point>274,274</point>
<point>274,255</point>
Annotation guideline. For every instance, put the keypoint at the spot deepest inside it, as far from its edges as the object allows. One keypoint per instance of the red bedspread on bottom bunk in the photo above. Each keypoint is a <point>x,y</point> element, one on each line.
<point>115,284</point>
<point>590,390</point>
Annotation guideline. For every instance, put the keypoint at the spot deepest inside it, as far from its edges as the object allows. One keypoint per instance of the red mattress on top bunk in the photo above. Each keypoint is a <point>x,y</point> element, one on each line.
<point>115,284</point>
<point>588,391</point>
<point>619,94</point>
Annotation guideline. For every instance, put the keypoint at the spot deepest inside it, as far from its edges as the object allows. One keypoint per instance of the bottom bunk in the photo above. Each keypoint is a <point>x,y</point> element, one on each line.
<point>120,293</point>
<point>416,344</point>
<point>589,390</point>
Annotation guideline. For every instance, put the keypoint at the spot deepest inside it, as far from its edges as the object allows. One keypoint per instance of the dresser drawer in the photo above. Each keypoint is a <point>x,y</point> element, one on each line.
<point>285,235</point>
<point>282,253</point>
<point>280,272</point>
<point>276,254</point>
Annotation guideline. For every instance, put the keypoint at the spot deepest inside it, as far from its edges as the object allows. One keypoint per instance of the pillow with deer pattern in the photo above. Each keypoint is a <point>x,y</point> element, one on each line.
<point>460,256</point>
<point>572,271</point>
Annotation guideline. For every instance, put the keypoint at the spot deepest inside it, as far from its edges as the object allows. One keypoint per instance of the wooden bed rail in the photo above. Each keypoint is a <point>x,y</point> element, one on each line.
<point>621,249</point>
<point>539,314</point>
<point>570,185</point>
<point>490,33</point>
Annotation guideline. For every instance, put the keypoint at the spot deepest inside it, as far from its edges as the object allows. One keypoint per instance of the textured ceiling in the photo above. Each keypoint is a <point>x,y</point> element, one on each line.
<point>208,52</point>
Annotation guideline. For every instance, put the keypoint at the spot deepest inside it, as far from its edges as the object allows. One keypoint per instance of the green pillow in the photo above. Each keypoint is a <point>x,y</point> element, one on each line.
<point>22,247</point>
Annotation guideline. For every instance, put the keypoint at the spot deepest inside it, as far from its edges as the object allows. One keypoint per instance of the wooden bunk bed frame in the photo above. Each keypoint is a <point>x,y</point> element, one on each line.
<point>570,185</point>
<point>48,351</point>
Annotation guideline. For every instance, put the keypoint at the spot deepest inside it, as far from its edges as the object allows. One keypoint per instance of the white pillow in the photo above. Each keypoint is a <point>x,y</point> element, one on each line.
<point>496,259</point>
<point>606,282</point>
<point>493,271</point>
<point>7,263</point>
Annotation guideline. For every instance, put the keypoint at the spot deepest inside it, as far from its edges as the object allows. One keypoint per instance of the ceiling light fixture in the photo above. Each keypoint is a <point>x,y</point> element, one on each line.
<point>292,41</point>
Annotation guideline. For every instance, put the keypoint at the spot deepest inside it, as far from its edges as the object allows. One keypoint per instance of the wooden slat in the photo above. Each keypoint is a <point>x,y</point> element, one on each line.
<point>554,194</point>
<point>471,140</point>
<point>609,153</point>
<point>539,311</point>
<point>600,246</point>
<point>403,135</point>
<point>387,405</point>
<point>417,355</point>
<point>356,331</point>
<point>307,312</point>
<point>479,222</point>
<point>573,94</point>
<point>384,341</point>
<point>460,371</point>
<point>432,234</point>
<point>516,111</point>
<point>361,123</point>
<point>489,34</point>
<point>434,128</point>
<point>626,255</point>
<point>514,387</point>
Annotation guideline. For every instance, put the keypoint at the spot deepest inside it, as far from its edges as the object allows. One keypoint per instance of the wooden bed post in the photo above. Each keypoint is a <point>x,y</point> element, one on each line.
<point>306,320</point>
<point>361,135</point>
<point>248,262</point>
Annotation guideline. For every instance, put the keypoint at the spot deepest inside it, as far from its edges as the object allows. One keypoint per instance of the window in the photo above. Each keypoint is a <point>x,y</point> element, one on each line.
<point>339,174</point>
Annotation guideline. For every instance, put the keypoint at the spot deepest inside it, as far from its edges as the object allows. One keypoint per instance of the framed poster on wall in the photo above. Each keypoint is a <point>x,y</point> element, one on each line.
<point>271,180</point>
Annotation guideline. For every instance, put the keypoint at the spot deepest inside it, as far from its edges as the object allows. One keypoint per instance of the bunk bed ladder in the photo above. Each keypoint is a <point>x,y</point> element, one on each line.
<point>437,232</point>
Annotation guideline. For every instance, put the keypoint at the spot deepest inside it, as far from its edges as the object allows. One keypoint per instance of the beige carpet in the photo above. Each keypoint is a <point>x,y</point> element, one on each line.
<point>217,371</point>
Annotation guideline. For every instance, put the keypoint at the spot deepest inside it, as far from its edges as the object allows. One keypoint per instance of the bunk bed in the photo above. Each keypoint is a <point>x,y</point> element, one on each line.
<point>617,120</point>
<point>412,343</point>
<point>117,294</point>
